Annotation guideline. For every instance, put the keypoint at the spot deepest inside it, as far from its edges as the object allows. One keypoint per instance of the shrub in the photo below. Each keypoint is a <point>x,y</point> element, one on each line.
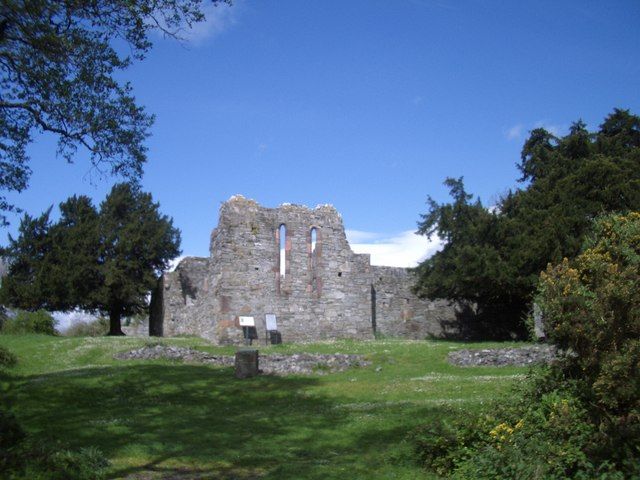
<point>30,322</point>
<point>592,308</point>
<point>581,417</point>
<point>96,328</point>
<point>441,445</point>
<point>7,357</point>
<point>551,439</point>
<point>541,436</point>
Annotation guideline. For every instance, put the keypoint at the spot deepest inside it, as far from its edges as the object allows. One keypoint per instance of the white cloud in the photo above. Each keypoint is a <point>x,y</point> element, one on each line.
<point>514,132</point>
<point>405,249</point>
<point>174,263</point>
<point>218,18</point>
<point>358,236</point>
<point>556,130</point>
<point>261,149</point>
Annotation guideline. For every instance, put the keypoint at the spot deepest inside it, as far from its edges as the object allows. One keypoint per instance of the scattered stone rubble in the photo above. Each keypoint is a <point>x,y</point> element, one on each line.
<point>272,364</point>
<point>168,352</point>
<point>500,357</point>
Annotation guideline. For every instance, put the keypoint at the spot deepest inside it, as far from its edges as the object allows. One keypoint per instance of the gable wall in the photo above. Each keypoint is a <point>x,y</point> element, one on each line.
<point>323,294</point>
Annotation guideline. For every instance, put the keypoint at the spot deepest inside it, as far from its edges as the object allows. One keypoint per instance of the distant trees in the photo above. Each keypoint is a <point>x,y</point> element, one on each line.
<point>103,260</point>
<point>58,73</point>
<point>492,258</point>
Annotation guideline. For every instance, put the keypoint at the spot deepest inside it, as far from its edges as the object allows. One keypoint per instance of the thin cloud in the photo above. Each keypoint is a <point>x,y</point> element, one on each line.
<point>514,132</point>
<point>556,130</point>
<point>174,263</point>
<point>405,249</point>
<point>218,18</point>
<point>358,236</point>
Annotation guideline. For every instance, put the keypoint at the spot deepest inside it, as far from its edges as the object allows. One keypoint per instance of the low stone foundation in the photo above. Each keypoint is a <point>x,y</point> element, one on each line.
<point>501,357</point>
<point>273,364</point>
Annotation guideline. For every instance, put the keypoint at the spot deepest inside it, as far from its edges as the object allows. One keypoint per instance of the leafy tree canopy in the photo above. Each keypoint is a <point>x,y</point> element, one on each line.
<point>58,60</point>
<point>492,259</point>
<point>105,260</point>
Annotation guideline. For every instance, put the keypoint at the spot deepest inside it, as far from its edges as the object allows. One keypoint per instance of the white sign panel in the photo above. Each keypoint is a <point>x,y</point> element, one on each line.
<point>247,322</point>
<point>271,322</point>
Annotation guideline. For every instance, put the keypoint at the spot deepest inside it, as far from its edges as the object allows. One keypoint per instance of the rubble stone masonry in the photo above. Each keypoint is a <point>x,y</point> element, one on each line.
<point>293,262</point>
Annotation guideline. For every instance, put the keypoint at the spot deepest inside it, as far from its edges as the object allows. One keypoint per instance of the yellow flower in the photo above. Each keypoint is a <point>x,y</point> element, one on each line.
<point>501,432</point>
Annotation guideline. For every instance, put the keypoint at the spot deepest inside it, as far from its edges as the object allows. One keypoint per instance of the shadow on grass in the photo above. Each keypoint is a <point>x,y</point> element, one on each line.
<point>183,421</point>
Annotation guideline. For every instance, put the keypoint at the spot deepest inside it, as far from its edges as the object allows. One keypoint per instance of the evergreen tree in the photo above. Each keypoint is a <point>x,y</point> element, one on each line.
<point>494,260</point>
<point>137,243</point>
<point>74,273</point>
<point>106,261</point>
<point>25,285</point>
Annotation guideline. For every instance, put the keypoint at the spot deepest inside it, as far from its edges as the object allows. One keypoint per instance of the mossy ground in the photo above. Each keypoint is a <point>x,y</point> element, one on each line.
<point>161,419</point>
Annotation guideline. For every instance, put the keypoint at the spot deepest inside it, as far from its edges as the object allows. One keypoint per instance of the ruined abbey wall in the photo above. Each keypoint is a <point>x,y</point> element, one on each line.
<point>318,288</point>
<point>400,313</point>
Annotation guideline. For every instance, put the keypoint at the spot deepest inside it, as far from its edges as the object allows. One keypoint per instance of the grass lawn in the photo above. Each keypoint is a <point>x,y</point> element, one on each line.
<point>161,419</point>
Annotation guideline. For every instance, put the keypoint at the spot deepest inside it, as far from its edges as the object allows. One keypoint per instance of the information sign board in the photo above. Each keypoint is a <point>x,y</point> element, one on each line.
<point>247,322</point>
<point>271,322</point>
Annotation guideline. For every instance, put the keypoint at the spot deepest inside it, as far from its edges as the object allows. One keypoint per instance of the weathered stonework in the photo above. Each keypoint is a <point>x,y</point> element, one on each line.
<point>325,291</point>
<point>400,313</point>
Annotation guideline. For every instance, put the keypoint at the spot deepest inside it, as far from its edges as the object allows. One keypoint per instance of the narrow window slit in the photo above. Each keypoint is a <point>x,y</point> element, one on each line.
<point>283,250</point>
<point>314,239</point>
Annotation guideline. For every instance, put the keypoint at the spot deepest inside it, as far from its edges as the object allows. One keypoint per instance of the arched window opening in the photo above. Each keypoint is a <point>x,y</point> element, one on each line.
<point>283,249</point>
<point>314,239</point>
<point>314,252</point>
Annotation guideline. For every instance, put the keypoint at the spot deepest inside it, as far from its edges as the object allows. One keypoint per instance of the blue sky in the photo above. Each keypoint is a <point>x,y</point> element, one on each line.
<point>367,105</point>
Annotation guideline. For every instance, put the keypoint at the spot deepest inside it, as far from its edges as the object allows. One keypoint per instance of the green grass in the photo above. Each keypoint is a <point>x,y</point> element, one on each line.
<point>161,419</point>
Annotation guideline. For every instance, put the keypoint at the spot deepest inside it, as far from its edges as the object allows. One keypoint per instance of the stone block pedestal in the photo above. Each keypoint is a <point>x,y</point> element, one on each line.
<point>246,363</point>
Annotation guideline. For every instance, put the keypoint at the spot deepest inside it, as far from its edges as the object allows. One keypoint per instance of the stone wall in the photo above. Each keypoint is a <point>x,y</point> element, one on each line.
<point>317,287</point>
<point>173,304</point>
<point>400,313</point>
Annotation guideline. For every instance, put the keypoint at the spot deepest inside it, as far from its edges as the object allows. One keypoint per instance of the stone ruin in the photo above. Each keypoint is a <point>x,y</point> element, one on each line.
<point>295,263</point>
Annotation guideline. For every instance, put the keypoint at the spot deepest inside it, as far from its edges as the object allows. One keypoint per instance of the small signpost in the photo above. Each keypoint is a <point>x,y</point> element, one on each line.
<point>249,332</point>
<point>272,334</point>
<point>271,322</point>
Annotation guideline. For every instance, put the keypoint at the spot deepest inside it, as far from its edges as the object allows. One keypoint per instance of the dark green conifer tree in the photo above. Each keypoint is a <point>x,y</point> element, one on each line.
<point>137,243</point>
<point>106,261</point>
<point>493,259</point>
